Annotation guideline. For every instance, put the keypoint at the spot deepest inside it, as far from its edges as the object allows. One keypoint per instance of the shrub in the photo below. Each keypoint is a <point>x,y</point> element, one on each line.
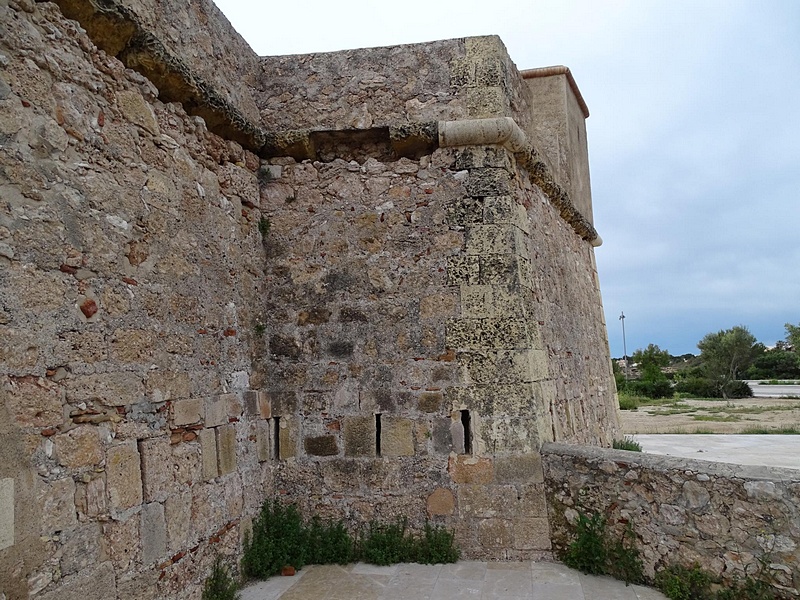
<point>698,387</point>
<point>278,540</point>
<point>387,544</point>
<point>652,388</point>
<point>738,389</point>
<point>627,402</point>
<point>627,443</point>
<point>437,545</point>
<point>682,583</point>
<point>220,585</point>
<point>328,543</point>
<point>594,552</point>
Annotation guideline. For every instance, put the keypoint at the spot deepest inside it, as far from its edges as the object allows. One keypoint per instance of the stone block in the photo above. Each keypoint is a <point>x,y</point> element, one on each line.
<point>531,533</point>
<point>396,436</point>
<point>441,502</point>
<point>56,502</point>
<point>430,402</point>
<point>464,334</point>
<point>288,434</point>
<point>157,469</point>
<point>81,548</point>
<point>162,386</point>
<point>359,436</point>
<point>487,501</point>
<point>282,402</point>
<point>463,270</point>
<point>79,447</point>
<point>437,306</point>
<point>95,583</point>
<point>495,533</point>
<point>133,345</point>
<point>470,469</point>
<point>178,517</point>
<point>226,448</point>
<point>477,301</point>
<point>34,401</point>
<point>484,102</point>
<point>486,239</point>
<point>6,512</point>
<point>188,411</point>
<point>122,541</point>
<point>257,404</point>
<point>532,500</point>
<point>124,476</point>
<point>208,451</point>
<point>322,445</point>
<point>153,532</point>
<point>522,468</point>
<point>221,409</point>
<point>118,388</point>
<point>136,110</point>
<point>263,439</point>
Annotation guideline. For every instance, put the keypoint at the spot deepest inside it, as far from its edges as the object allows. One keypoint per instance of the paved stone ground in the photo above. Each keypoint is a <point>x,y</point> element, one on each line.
<point>766,450</point>
<point>465,579</point>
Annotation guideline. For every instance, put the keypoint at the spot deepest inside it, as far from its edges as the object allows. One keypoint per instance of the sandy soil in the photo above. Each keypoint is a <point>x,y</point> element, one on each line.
<point>713,416</point>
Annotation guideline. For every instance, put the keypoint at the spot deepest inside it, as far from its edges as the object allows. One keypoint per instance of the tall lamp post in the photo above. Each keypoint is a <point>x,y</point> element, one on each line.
<point>624,344</point>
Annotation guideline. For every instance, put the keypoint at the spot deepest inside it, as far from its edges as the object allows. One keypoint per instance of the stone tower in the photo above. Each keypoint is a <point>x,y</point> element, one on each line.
<point>362,280</point>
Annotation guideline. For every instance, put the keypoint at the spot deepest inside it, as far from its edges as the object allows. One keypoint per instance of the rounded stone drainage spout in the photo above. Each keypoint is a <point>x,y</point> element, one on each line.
<point>501,131</point>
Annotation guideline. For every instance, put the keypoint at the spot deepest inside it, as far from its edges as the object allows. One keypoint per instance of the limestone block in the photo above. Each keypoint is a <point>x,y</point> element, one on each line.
<point>188,411</point>
<point>463,212</point>
<point>359,436</point>
<point>153,532</point>
<point>282,402</point>
<point>396,437</point>
<point>110,389</point>
<point>464,334</point>
<point>263,438</point>
<point>471,157</point>
<point>167,385</point>
<point>90,497</point>
<point>6,512</point>
<point>505,333</point>
<point>531,533</point>
<point>81,548</point>
<point>430,402</point>
<point>187,464</point>
<point>483,239</point>
<point>463,270</point>
<point>133,345</point>
<point>487,501</point>
<point>136,110</point>
<point>437,306</point>
<point>208,450</point>
<point>124,476</point>
<point>322,445</point>
<point>79,447</point>
<point>257,404</point>
<point>441,502</point>
<point>221,409</point>
<point>470,469</point>
<point>477,301</point>
<point>138,586</point>
<point>226,448</point>
<point>442,437</point>
<point>18,348</point>
<point>532,500</point>
<point>34,401</point>
<point>498,269</point>
<point>288,436</point>
<point>95,583</point>
<point>695,495</point>
<point>157,468</point>
<point>56,500</point>
<point>495,533</point>
<point>484,102</point>
<point>178,517</point>
<point>521,468</point>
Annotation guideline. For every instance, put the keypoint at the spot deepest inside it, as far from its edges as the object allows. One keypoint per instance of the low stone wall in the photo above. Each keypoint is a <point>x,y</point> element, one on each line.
<point>730,519</point>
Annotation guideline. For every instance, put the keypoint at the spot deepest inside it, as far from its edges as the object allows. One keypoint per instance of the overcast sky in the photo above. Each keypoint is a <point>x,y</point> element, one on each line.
<point>694,138</point>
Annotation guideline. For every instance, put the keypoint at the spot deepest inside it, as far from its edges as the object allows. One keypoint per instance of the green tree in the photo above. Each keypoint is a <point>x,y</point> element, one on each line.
<point>727,354</point>
<point>652,381</point>
<point>793,336</point>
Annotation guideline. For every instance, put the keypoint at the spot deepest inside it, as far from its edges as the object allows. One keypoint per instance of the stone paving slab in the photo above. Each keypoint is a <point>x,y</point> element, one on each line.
<point>465,579</point>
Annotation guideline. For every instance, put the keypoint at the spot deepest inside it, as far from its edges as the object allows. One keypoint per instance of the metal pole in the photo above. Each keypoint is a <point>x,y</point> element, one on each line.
<point>624,344</point>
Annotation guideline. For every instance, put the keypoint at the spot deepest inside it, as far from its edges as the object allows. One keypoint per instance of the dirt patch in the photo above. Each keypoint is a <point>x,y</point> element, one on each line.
<point>713,416</point>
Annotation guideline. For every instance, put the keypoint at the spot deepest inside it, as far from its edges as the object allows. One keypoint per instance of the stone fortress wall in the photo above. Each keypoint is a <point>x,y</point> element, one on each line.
<point>362,280</point>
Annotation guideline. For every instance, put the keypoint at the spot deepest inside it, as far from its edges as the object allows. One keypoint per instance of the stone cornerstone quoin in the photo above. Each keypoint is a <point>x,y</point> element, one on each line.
<point>363,281</point>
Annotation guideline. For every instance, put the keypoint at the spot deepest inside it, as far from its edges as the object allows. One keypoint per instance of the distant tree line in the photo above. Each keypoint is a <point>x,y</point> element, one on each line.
<point>726,358</point>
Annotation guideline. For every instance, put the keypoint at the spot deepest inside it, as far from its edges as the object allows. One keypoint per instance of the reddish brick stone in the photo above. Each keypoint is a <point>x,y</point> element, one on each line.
<point>89,308</point>
<point>469,469</point>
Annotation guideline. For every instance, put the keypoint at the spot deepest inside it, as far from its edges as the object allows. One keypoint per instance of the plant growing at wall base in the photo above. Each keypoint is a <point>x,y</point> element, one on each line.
<point>328,543</point>
<point>278,539</point>
<point>220,585</point>
<point>595,552</point>
<point>627,443</point>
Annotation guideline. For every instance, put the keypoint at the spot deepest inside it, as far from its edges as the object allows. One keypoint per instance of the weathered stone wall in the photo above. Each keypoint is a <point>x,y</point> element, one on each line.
<point>732,520</point>
<point>378,326</point>
<point>130,283</point>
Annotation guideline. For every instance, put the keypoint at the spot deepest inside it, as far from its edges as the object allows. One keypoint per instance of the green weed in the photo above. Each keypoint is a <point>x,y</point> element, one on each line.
<point>627,443</point>
<point>264,226</point>
<point>220,585</point>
